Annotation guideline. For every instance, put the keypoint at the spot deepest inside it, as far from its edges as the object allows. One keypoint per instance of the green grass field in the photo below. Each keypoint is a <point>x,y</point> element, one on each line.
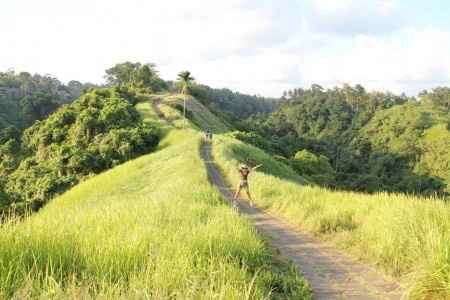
<point>200,116</point>
<point>152,228</point>
<point>405,236</point>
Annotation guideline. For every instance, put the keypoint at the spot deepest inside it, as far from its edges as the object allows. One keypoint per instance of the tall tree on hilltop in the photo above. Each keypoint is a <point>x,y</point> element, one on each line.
<point>186,80</point>
<point>135,75</point>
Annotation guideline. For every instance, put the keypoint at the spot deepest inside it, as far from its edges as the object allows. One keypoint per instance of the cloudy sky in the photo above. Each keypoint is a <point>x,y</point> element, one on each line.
<point>253,46</point>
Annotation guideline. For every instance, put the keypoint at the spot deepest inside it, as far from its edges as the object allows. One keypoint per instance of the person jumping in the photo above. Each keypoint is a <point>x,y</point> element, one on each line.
<point>244,171</point>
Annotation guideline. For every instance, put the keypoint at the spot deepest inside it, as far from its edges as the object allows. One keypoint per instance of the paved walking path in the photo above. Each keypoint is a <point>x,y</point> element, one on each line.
<point>155,105</point>
<point>331,274</point>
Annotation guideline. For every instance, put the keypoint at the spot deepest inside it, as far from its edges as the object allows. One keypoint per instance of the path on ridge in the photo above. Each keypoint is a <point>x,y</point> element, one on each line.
<point>330,273</point>
<point>155,105</point>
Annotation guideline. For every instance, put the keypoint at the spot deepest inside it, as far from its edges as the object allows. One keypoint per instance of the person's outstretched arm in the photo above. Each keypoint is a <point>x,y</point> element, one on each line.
<point>254,168</point>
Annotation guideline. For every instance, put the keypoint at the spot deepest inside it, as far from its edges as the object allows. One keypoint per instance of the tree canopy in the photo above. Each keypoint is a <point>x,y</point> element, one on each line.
<point>25,98</point>
<point>98,131</point>
<point>135,76</point>
<point>374,141</point>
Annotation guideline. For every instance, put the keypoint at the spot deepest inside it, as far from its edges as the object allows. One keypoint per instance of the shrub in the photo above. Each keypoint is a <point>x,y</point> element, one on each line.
<point>96,132</point>
<point>317,167</point>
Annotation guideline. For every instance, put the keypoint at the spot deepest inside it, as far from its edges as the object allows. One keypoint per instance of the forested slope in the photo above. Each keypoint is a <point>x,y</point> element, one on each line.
<point>25,98</point>
<point>99,130</point>
<point>371,141</point>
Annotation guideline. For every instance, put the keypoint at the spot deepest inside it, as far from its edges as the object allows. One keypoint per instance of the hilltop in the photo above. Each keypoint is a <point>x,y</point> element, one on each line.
<point>133,226</point>
<point>386,230</point>
<point>121,166</point>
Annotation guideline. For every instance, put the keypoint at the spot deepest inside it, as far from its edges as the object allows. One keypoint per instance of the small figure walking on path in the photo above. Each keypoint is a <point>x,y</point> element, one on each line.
<point>244,171</point>
<point>208,135</point>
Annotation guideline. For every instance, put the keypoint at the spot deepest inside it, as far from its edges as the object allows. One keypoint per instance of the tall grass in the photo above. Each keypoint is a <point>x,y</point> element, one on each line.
<point>149,116</point>
<point>199,114</point>
<point>152,228</point>
<point>405,236</point>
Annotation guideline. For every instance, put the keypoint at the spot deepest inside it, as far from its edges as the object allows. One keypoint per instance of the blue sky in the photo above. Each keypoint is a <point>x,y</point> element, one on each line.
<point>254,46</point>
<point>428,13</point>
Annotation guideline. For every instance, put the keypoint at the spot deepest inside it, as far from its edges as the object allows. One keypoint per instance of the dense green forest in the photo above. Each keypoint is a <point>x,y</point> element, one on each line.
<point>231,105</point>
<point>93,133</point>
<point>344,138</point>
<point>25,98</point>
<point>366,141</point>
<point>49,142</point>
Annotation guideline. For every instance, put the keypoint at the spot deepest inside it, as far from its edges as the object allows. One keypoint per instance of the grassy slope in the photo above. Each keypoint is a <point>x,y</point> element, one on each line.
<point>150,228</point>
<point>406,236</point>
<point>201,116</point>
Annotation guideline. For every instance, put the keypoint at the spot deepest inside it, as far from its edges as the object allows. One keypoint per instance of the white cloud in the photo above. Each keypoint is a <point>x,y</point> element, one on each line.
<point>409,61</point>
<point>355,16</point>
<point>255,46</point>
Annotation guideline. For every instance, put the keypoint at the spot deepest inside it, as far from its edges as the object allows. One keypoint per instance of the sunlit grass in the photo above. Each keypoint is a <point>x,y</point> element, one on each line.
<point>406,236</point>
<point>152,228</point>
<point>201,116</point>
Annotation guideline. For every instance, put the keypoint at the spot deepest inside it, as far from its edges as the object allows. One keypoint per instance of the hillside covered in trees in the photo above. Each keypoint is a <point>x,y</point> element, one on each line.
<point>344,138</point>
<point>25,98</point>
<point>49,143</point>
<point>365,141</point>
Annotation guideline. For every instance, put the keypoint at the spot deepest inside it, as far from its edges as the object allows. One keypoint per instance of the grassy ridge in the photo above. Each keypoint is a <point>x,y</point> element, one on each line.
<point>150,228</point>
<point>149,116</point>
<point>199,114</point>
<point>406,236</point>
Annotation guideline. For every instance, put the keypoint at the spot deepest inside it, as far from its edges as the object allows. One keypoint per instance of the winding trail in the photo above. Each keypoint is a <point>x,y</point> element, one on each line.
<point>155,105</point>
<point>330,273</point>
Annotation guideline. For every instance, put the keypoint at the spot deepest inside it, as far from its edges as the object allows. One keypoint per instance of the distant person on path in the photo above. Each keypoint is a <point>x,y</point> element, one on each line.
<point>244,171</point>
<point>208,135</point>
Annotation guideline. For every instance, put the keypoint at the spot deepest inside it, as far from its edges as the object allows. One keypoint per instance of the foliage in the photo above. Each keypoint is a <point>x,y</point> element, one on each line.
<point>435,153</point>
<point>135,76</point>
<point>315,167</point>
<point>25,98</point>
<point>96,132</point>
<point>256,140</point>
<point>438,98</point>
<point>233,106</point>
<point>185,81</point>
<point>374,141</point>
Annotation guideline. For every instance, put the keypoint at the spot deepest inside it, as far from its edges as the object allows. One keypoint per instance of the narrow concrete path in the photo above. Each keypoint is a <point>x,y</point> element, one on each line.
<point>331,274</point>
<point>159,113</point>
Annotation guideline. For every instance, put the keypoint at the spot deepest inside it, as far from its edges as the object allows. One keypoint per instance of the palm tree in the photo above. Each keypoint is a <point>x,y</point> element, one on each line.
<point>185,79</point>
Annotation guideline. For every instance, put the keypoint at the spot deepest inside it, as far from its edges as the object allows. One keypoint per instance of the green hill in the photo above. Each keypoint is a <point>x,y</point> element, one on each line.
<point>150,228</point>
<point>374,141</point>
<point>122,233</point>
<point>201,117</point>
<point>405,236</point>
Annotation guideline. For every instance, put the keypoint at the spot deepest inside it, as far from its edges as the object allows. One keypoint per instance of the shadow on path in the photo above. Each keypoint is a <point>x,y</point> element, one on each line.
<point>331,274</point>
